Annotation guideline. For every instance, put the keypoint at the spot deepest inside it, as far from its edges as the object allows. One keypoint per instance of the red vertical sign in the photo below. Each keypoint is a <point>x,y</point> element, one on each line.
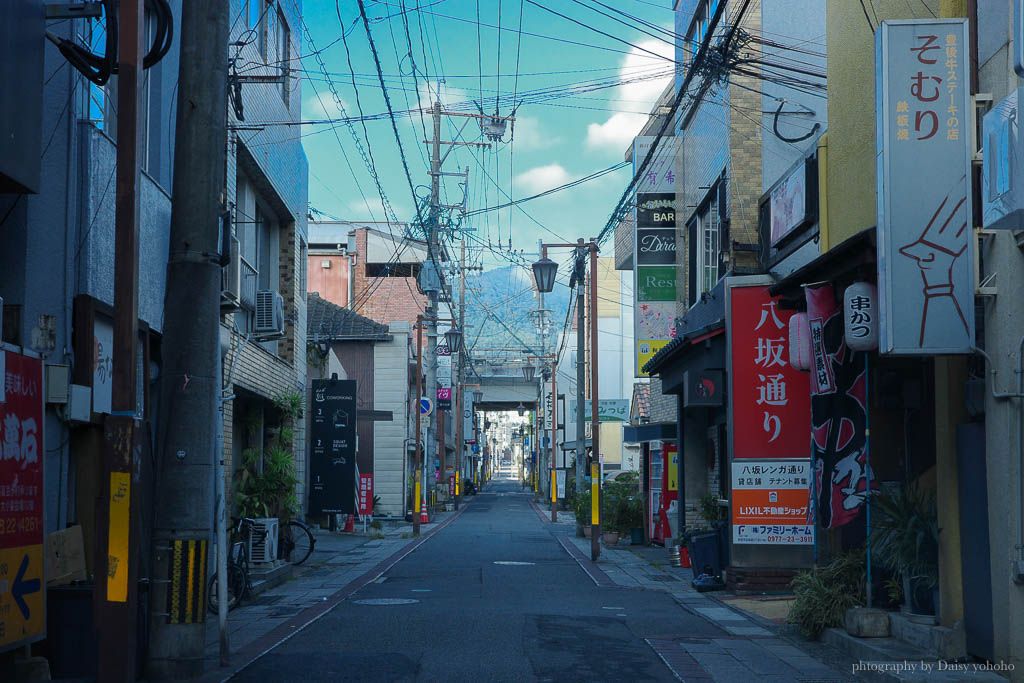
<point>451,484</point>
<point>366,494</point>
<point>22,616</point>
<point>771,400</point>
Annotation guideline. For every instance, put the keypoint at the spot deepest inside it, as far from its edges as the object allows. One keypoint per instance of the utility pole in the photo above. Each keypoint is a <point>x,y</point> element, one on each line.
<point>190,384</point>
<point>431,443</point>
<point>460,437</point>
<point>581,373</point>
<point>117,518</point>
<point>595,425</point>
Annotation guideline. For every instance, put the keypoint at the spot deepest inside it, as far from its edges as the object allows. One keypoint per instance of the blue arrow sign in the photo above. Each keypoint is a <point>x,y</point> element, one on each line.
<point>20,588</point>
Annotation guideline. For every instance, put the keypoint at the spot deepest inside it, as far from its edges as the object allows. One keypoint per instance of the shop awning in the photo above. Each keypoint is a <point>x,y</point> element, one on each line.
<point>852,259</point>
<point>659,431</point>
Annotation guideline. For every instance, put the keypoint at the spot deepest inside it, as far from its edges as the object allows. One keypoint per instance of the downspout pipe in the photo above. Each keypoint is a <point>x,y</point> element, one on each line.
<point>1018,570</point>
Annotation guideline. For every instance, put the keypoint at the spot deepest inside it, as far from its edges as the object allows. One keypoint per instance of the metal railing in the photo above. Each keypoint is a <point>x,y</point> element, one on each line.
<point>248,285</point>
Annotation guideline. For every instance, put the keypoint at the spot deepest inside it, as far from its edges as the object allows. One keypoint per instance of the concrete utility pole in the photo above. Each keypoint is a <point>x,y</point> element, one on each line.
<point>117,516</point>
<point>460,405</point>
<point>581,374</point>
<point>191,373</point>
<point>595,424</point>
<point>431,444</point>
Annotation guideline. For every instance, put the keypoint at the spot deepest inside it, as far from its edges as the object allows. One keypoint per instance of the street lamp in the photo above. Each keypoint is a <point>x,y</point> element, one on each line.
<point>544,272</point>
<point>478,396</point>
<point>453,338</point>
<point>529,372</point>
<point>521,410</point>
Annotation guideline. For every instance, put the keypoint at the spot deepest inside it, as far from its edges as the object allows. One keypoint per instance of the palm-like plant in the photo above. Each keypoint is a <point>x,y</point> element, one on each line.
<point>905,532</point>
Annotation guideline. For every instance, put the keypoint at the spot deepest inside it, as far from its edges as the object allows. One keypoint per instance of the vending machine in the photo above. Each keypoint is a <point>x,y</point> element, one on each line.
<point>663,484</point>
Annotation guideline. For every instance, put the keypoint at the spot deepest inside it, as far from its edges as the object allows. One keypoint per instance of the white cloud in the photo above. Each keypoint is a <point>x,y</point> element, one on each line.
<point>322,106</point>
<point>618,131</point>
<point>449,96</point>
<point>528,134</point>
<point>542,178</point>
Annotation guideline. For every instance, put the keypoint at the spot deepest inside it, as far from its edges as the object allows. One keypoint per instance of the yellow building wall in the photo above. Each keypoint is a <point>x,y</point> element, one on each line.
<point>849,205</point>
<point>608,291</point>
<point>850,192</point>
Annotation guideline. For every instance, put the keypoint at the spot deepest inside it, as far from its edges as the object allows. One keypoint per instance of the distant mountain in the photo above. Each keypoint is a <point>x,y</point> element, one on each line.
<point>499,303</point>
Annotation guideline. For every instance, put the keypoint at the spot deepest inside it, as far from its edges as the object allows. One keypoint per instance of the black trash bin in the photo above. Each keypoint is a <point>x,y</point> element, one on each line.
<point>705,551</point>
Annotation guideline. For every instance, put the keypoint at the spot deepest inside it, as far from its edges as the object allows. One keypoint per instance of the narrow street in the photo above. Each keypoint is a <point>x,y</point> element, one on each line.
<point>494,596</point>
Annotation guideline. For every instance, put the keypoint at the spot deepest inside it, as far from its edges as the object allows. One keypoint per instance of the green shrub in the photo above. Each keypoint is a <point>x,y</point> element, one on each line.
<point>710,510</point>
<point>823,594</point>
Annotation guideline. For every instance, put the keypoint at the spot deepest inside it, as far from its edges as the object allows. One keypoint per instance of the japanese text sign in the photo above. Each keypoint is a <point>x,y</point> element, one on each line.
<point>922,135</point>
<point>770,501</point>
<point>771,402</point>
<point>22,616</point>
<point>332,447</point>
<point>366,494</point>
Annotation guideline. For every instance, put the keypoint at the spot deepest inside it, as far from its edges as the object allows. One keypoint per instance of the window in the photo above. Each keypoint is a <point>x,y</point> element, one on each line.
<point>708,234</point>
<point>259,238</point>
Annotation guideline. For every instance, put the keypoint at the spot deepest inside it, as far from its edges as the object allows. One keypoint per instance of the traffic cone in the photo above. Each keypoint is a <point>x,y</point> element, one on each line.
<point>350,523</point>
<point>684,557</point>
<point>423,513</point>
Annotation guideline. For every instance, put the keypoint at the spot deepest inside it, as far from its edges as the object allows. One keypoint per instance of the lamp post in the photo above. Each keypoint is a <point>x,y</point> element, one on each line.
<point>420,488</point>
<point>544,271</point>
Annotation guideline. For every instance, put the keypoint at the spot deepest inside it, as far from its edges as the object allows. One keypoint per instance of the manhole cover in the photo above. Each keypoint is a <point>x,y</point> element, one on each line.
<point>386,601</point>
<point>510,563</point>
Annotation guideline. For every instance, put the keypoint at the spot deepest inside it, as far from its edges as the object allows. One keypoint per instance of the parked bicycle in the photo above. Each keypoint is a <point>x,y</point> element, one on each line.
<point>239,585</point>
<point>298,543</point>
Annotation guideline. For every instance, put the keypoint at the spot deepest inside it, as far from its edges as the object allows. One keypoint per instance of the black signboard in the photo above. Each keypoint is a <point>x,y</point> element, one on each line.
<point>656,210</point>
<point>332,445</point>
<point>656,246</point>
<point>703,388</point>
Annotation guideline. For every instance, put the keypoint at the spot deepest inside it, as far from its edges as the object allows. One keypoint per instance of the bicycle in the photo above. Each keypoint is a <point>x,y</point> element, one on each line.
<point>239,585</point>
<point>299,543</point>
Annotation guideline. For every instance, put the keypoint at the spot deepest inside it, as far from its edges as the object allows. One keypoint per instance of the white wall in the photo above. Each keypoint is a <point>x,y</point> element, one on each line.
<point>390,392</point>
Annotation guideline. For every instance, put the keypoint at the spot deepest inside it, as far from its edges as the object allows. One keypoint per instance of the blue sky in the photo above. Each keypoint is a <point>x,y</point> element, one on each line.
<point>556,139</point>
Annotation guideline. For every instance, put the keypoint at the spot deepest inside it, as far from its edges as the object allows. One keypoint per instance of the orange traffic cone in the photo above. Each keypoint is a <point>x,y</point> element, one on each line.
<point>423,513</point>
<point>684,557</point>
<point>350,523</point>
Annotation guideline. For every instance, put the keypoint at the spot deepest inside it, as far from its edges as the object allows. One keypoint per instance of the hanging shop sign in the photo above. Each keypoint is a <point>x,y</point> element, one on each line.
<point>655,284</point>
<point>608,410</point>
<point>656,209</point>
<point>799,342</point>
<point>860,316</point>
<point>332,445</point>
<point>365,494</point>
<point>770,502</point>
<point>22,593</point>
<point>923,133</point>
<point>770,399</point>
<point>788,204</point>
<point>703,388</point>
<point>444,398</point>
<point>656,246</point>
<point>1002,193</point>
<point>838,414</point>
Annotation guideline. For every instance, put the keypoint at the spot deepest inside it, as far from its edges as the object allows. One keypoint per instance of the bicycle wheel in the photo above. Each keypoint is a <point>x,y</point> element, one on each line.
<point>236,588</point>
<point>302,542</point>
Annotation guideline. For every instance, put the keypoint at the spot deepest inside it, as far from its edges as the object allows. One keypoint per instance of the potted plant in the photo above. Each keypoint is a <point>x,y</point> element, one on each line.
<point>631,519</point>
<point>581,510</point>
<point>905,538</point>
<point>263,487</point>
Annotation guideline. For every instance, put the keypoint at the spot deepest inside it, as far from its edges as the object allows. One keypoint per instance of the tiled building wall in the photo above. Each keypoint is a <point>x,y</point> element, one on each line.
<point>281,172</point>
<point>745,151</point>
<point>384,299</point>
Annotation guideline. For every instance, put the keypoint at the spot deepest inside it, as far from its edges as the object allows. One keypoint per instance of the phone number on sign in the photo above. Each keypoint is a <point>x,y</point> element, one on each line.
<point>14,525</point>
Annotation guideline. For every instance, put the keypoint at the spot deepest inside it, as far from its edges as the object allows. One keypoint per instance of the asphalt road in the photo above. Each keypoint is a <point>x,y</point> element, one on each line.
<point>474,619</point>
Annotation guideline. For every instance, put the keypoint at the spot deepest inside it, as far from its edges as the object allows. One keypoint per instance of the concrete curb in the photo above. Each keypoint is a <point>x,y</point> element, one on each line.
<point>267,642</point>
<point>590,567</point>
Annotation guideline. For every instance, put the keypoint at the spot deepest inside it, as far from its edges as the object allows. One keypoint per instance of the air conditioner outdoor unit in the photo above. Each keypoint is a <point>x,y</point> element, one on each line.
<point>263,540</point>
<point>231,286</point>
<point>269,315</point>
